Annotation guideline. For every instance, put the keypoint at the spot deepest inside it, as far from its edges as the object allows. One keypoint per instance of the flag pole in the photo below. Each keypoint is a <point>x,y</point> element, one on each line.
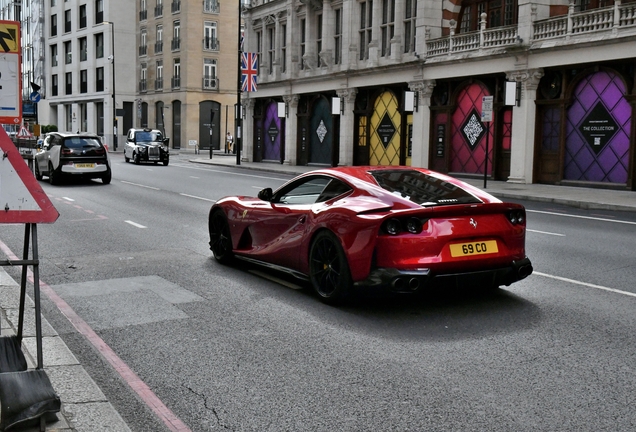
<point>238,112</point>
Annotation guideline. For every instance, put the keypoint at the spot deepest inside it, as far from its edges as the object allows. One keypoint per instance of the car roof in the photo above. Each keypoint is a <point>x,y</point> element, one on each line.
<point>72,134</point>
<point>144,130</point>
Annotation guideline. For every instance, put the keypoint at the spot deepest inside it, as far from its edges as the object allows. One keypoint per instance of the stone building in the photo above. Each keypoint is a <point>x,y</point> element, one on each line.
<point>402,82</point>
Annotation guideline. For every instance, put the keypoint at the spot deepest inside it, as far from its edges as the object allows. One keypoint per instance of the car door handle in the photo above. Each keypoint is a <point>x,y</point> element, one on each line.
<point>302,219</point>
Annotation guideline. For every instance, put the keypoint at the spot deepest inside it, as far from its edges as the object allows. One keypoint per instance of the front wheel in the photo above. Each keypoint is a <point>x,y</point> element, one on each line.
<point>38,174</point>
<point>328,268</point>
<point>165,163</point>
<point>220,237</point>
<point>54,177</point>
<point>136,158</point>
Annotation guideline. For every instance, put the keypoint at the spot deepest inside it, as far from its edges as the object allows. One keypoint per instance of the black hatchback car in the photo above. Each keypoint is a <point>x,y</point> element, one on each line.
<point>72,155</point>
<point>146,145</point>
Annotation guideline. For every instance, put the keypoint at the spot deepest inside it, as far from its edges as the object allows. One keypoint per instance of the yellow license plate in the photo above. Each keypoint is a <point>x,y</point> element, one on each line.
<point>474,248</point>
<point>84,165</point>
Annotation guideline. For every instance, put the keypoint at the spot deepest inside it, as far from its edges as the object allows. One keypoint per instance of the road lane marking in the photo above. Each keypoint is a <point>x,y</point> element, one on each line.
<point>68,199</point>
<point>545,232</point>
<point>135,224</point>
<point>582,217</point>
<point>197,197</point>
<point>231,172</point>
<point>589,285</point>
<point>140,185</point>
<point>144,392</point>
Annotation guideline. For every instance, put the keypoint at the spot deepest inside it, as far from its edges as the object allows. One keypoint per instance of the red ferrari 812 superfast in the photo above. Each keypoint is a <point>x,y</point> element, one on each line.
<point>403,228</point>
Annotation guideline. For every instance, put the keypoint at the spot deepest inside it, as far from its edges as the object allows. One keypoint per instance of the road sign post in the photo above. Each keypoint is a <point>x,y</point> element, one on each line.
<point>486,117</point>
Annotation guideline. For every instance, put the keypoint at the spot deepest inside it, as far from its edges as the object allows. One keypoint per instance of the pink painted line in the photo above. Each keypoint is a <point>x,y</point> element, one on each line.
<point>145,393</point>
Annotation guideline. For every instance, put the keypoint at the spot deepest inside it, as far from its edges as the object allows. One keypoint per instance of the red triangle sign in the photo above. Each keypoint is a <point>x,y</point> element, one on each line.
<point>22,199</point>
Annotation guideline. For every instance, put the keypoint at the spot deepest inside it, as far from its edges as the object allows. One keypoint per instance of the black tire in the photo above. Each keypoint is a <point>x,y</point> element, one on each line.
<point>126,158</point>
<point>54,177</point>
<point>220,237</point>
<point>136,158</point>
<point>38,174</point>
<point>165,163</point>
<point>328,268</point>
<point>106,178</point>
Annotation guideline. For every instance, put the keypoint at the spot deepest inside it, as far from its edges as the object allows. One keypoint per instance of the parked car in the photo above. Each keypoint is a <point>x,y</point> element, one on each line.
<point>72,155</point>
<point>146,145</point>
<point>402,228</point>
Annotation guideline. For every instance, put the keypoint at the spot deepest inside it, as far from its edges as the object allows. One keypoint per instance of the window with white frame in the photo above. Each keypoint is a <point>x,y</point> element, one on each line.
<point>143,78</point>
<point>366,22</point>
<point>143,42</point>
<point>176,35</point>
<point>387,27</point>
<point>176,73</point>
<point>159,39</point>
<point>209,73</point>
<point>211,6</point>
<point>209,36</point>
<point>409,25</point>
<point>53,55</point>
<point>159,75</point>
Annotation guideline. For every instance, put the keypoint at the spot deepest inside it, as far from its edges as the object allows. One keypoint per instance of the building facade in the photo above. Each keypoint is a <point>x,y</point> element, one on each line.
<point>411,76</point>
<point>106,66</point>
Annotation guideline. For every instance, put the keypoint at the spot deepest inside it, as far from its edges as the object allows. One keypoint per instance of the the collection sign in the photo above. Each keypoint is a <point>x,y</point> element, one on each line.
<point>598,128</point>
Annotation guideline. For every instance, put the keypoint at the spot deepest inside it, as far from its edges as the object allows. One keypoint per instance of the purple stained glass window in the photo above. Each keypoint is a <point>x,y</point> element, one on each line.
<point>598,130</point>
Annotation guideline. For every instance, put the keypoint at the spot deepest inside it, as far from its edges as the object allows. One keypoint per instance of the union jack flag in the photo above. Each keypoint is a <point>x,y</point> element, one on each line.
<point>249,72</point>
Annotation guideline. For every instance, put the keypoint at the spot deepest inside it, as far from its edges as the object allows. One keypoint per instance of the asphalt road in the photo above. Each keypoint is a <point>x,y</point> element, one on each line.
<point>226,348</point>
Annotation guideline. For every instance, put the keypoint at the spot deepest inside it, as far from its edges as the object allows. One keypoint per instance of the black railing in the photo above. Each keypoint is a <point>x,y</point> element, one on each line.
<point>175,45</point>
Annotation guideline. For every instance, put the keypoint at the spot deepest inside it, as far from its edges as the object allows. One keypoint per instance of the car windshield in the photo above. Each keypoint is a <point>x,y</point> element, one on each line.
<point>149,136</point>
<point>81,142</point>
<point>421,188</point>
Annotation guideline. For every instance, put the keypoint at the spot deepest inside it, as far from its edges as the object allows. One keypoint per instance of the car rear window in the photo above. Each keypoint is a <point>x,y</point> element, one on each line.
<point>421,188</point>
<point>81,142</point>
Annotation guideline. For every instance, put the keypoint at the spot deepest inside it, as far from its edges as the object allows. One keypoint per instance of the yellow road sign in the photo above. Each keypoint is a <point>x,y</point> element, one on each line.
<point>9,36</point>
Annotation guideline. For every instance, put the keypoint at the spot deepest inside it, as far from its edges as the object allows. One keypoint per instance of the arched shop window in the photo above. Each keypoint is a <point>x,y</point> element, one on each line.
<point>498,13</point>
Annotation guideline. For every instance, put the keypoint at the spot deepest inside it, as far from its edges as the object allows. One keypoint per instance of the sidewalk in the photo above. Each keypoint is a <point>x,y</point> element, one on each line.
<point>84,406</point>
<point>581,197</point>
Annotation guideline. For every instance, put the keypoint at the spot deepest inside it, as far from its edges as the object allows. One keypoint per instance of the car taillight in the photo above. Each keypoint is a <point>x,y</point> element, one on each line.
<point>395,226</point>
<point>67,151</point>
<point>517,217</point>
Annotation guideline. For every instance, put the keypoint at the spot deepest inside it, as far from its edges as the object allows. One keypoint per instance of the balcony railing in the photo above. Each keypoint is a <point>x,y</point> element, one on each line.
<point>158,11</point>
<point>159,84</point>
<point>210,83</point>
<point>175,6</point>
<point>612,20</point>
<point>143,15</point>
<point>143,85</point>
<point>211,6</point>
<point>608,19</point>
<point>143,50</point>
<point>158,47</point>
<point>210,44</point>
<point>175,82</point>
<point>175,45</point>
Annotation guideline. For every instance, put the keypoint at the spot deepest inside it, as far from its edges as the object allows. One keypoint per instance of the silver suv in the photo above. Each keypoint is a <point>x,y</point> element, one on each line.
<point>72,155</point>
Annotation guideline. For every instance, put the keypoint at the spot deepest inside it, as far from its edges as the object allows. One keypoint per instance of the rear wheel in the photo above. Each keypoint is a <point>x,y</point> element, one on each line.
<point>126,158</point>
<point>106,178</point>
<point>165,163</point>
<point>220,237</point>
<point>328,268</point>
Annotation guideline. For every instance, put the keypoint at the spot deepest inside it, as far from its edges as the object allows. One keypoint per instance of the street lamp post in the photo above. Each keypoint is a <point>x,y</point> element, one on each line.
<point>112,58</point>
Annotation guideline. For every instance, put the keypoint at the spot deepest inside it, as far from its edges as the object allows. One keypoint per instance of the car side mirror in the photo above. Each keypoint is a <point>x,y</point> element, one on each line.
<point>166,141</point>
<point>265,194</point>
